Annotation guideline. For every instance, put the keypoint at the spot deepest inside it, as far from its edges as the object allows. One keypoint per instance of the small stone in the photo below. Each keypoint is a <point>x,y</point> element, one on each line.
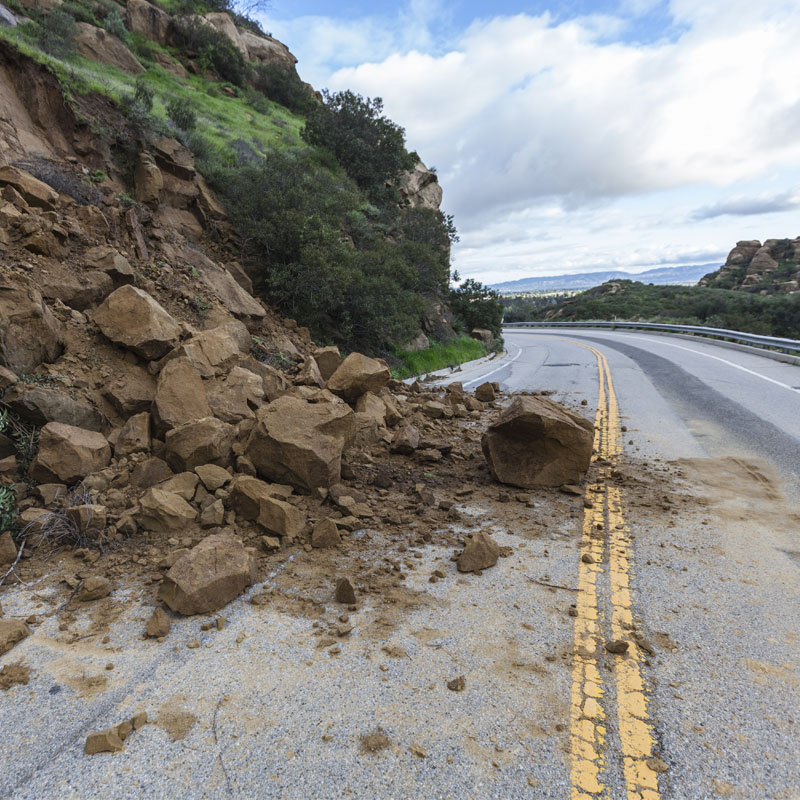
<point>418,751</point>
<point>193,645</point>
<point>569,488</point>
<point>109,666</point>
<point>572,611</point>
<point>457,684</point>
<point>124,729</point>
<point>107,741</point>
<point>158,625</point>
<point>138,720</point>
<point>345,593</point>
<point>95,587</point>
<point>588,558</point>
<point>618,647</point>
<point>656,764</point>
<point>325,534</point>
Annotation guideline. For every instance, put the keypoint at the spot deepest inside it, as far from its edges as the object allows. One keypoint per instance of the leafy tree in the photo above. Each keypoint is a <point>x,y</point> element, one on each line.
<point>369,146</point>
<point>476,306</point>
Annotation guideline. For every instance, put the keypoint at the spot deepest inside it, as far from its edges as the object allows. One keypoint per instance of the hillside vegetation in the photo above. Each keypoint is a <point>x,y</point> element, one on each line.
<point>770,315</point>
<point>335,221</point>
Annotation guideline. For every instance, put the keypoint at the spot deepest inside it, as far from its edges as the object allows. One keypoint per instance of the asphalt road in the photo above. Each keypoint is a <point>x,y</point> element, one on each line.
<point>692,528</point>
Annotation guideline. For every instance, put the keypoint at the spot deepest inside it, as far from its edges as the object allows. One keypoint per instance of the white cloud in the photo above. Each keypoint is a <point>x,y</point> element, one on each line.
<point>520,114</point>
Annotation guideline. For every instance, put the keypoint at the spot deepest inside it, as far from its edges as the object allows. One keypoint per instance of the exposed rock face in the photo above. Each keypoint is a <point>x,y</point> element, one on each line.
<point>480,552</point>
<point>267,50</point>
<point>763,268</point>
<point>40,405</point>
<point>29,332</point>
<point>224,24</point>
<point>148,180</point>
<point>419,342</point>
<point>100,45</point>
<point>537,442</point>
<point>300,443</point>
<point>162,512</point>
<point>208,577</point>
<point>358,374</point>
<point>180,397</point>
<point>133,319</point>
<point>420,187</point>
<point>67,454</point>
<point>482,335</point>
<point>206,441</point>
<point>149,20</point>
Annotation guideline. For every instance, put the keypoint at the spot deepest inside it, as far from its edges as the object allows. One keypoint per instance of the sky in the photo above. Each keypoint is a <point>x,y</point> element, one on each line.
<point>579,136</point>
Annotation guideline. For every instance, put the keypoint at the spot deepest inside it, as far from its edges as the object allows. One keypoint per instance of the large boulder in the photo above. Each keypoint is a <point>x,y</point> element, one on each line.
<point>100,45</point>
<point>300,443</point>
<point>29,333</point>
<point>147,19</point>
<point>358,374</point>
<point>110,261</point>
<point>33,191</point>
<point>133,319</point>
<point>537,442</point>
<point>237,396</point>
<point>67,454</point>
<point>255,500</point>
<point>328,360</point>
<point>132,392</point>
<point>209,576</point>
<point>480,552</point>
<point>230,294</point>
<point>162,512</point>
<point>267,50</point>
<point>216,351</point>
<point>224,24</point>
<point>40,405</point>
<point>180,397</point>
<point>206,441</point>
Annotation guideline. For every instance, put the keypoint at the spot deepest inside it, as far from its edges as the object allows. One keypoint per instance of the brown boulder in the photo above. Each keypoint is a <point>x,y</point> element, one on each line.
<point>482,335</point>
<point>95,587</point>
<point>405,440</point>
<point>147,180</point>
<point>480,552</point>
<point>212,476</point>
<point>134,436</point>
<point>309,374</point>
<point>149,20</point>
<point>230,294</point>
<point>98,44</point>
<point>150,472</point>
<point>274,382</point>
<point>255,500</point>
<point>133,392</point>
<point>537,442</point>
<point>8,550</point>
<point>107,741</point>
<point>358,374</point>
<point>32,190</point>
<point>67,454</point>
<point>89,519</point>
<point>328,360</point>
<point>216,351</point>
<point>206,441</point>
<point>180,397</point>
<point>300,443</point>
<point>485,392</point>
<point>372,405</point>
<point>162,512</point>
<point>325,534</point>
<point>235,397</point>
<point>28,330</point>
<point>112,263</point>
<point>131,318</point>
<point>12,631</point>
<point>344,592</point>
<point>40,405</point>
<point>209,576</point>
<point>158,624</point>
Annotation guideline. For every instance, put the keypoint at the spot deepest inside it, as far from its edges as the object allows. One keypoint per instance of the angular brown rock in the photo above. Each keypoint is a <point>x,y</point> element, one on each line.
<point>206,441</point>
<point>405,440</point>
<point>41,404</point>
<point>67,454</point>
<point>162,512</point>
<point>253,499</point>
<point>95,587</point>
<point>480,552</point>
<point>344,592</point>
<point>537,442</point>
<point>358,374</point>
<point>328,360</point>
<point>485,392</point>
<point>107,741</point>
<point>180,397</point>
<point>12,632</point>
<point>132,318</point>
<point>134,436</point>
<point>325,534</point>
<point>300,443</point>
<point>212,574</point>
<point>158,624</point>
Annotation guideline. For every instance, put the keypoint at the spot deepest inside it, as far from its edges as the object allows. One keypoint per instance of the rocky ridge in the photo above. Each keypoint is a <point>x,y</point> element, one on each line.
<point>769,268</point>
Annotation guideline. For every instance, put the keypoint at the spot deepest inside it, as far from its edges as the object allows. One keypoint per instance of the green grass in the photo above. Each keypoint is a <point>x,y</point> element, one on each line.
<point>438,356</point>
<point>221,120</point>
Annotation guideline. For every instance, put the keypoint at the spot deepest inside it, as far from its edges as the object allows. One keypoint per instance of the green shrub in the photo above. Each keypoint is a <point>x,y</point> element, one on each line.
<point>284,86</point>
<point>212,48</point>
<point>57,31</point>
<point>143,94</point>
<point>369,146</point>
<point>142,47</point>
<point>182,114</point>
<point>115,25</point>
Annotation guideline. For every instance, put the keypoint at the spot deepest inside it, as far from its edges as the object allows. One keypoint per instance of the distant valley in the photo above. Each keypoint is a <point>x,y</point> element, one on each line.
<point>687,275</point>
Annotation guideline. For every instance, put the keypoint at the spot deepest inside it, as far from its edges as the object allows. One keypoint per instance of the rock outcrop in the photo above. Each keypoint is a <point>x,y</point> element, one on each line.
<point>537,442</point>
<point>769,268</point>
<point>100,45</point>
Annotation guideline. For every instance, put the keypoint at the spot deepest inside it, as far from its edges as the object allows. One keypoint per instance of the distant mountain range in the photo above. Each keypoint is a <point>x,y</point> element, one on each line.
<point>689,274</point>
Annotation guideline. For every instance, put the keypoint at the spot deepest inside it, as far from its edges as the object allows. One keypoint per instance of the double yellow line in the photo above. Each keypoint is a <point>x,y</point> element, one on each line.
<point>605,532</point>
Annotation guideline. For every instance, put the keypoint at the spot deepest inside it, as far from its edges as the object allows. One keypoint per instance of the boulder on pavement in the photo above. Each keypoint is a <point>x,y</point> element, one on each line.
<point>106,741</point>
<point>67,454</point>
<point>162,511</point>
<point>206,441</point>
<point>358,374</point>
<point>300,443</point>
<point>28,330</point>
<point>325,534</point>
<point>209,576</point>
<point>180,397</point>
<point>131,318</point>
<point>12,632</point>
<point>537,442</point>
<point>95,587</point>
<point>480,552</point>
<point>158,624</point>
<point>485,392</point>
<point>254,499</point>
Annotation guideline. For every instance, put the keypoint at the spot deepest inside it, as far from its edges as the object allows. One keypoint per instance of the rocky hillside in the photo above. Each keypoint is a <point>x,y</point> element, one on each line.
<point>769,268</point>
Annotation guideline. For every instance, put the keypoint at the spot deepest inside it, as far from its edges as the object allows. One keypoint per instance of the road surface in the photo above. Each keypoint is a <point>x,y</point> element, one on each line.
<point>685,548</point>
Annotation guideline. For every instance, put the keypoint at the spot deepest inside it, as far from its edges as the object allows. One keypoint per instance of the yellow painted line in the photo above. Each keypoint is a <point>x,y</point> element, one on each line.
<point>605,523</point>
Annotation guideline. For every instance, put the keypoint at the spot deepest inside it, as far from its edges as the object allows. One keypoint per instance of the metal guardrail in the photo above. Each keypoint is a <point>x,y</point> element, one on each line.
<point>770,342</point>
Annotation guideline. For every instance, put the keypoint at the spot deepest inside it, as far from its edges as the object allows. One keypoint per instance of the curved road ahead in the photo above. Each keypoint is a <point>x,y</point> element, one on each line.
<point>715,581</point>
